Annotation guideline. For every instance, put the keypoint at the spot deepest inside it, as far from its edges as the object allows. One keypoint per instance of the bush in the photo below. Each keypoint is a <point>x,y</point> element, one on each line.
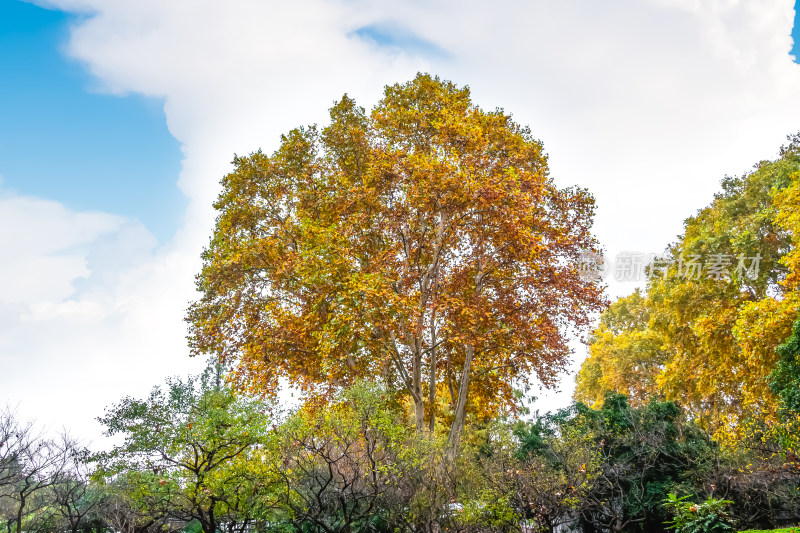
<point>707,517</point>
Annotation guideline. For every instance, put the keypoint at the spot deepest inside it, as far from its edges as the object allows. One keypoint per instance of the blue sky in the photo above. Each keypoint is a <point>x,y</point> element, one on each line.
<point>61,138</point>
<point>796,32</point>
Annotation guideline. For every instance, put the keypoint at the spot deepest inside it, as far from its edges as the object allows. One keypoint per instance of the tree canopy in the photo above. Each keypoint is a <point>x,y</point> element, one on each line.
<point>423,244</point>
<point>707,338</point>
<point>190,452</point>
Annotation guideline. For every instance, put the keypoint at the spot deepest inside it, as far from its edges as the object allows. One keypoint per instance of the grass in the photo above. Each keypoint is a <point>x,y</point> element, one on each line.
<point>784,530</point>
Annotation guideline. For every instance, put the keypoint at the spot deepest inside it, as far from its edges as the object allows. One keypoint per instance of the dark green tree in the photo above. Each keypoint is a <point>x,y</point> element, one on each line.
<point>638,455</point>
<point>785,378</point>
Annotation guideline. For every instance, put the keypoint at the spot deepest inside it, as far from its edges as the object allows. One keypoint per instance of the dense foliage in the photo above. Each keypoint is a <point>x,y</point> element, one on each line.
<point>197,458</point>
<point>423,245</point>
<point>709,516</point>
<point>192,451</point>
<point>716,306</point>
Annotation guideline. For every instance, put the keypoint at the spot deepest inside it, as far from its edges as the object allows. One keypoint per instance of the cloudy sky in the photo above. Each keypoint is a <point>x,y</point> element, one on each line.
<point>119,117</point>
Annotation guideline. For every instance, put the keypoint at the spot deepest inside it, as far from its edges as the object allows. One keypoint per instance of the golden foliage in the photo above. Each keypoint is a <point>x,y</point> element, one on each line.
<point>708,342</point>
<point>423,243</point>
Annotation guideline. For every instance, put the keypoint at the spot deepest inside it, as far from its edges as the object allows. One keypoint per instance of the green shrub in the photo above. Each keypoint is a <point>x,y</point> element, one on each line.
<point>707,517</point>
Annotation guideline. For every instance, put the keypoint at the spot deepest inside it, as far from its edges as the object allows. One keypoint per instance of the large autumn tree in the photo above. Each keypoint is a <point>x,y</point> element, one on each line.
<point>423,243</point>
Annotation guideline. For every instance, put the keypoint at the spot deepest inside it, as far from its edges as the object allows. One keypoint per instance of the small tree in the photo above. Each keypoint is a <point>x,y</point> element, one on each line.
<point>340,465</point>
<point>14,438</point>
<point>183,449</point>
<point>30,464</point>
<point>75,498</point>
<point>762,487</point>
<point>136,502</point>
<point>538,473</point>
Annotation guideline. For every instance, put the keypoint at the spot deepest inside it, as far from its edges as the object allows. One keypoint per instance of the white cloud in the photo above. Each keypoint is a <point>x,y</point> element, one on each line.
<point>647,103</point>
<point>41,243</point>
<point>87,309</point>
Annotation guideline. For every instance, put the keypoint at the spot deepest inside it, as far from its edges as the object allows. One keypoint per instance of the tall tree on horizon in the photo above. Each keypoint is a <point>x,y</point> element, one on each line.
<point>423,243</point>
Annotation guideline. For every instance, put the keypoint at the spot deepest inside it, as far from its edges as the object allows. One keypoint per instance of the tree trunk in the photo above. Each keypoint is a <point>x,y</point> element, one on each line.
<point>419,414</point>
<point>413,382</point>
<point>459,416</point>
<point>460,413</point>
<point>433,361</point>
<point>20,511</point>
<point>208,520</point>
<point>419,399</point>
<point>432,381</point>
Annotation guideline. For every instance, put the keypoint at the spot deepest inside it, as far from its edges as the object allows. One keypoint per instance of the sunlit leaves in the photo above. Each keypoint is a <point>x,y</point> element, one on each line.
<point>423,244</point>
<point>709,342</point>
